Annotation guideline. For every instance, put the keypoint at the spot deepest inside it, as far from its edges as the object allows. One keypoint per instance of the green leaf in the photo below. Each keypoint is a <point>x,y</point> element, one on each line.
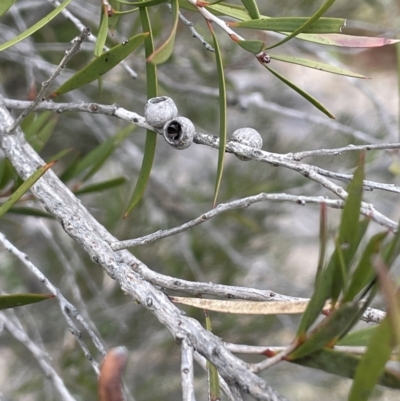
<point>252,8</point>
<point>310,23</point>
<point>347,40</point>
<point>349,238</point>
<point>101,186</point>
<point>7,173</point>
<point>322,243</point>
<point>163,53</point>
<point>328,331</point>
<point>151,137</point>
<point>364,273</point>
<point>372,363</point>
<point>301,92</point>
<point>316,65</point>
<point>23,188</point>
<point>293,25</point>
<point>5,5</point>
<point>69,172</point>
<point>222,114</point>
<point>99,66</point>
<point>39,128</point>
<point>44,21</point>
<point>35,122</point>
<point>213,379</point>
<point>358,338</point>
<point>98,156</point>
<point>252,46</point>
<point>29,211</point>
<point>143,4</point>
<point>59,155</point>
<point>344,364</point>
<point>228,10</point>
<point>15,300</point>
<point>103,30</point>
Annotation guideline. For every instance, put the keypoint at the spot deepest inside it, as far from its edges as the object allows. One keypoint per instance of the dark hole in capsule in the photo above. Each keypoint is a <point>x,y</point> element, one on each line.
<point>174,131</point>
<point>157,100</point>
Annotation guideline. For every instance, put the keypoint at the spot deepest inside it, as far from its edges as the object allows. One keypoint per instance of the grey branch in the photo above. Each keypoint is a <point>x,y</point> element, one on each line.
<point>15,328</point>
<point>68,310</point>
<point>187,372</point>
<point>274,159</point>
<point>95,239</point>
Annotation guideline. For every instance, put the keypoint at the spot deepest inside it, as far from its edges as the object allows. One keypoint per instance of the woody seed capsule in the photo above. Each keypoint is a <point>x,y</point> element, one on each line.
<point>179,132</point>
<point>159,110</point>
<point>249,137</point>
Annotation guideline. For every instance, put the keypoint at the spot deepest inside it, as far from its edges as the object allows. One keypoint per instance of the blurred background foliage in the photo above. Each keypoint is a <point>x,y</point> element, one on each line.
<point>269,246</point>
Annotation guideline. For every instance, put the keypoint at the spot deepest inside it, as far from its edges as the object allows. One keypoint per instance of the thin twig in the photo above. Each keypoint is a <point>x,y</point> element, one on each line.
<point>15,328</point>
<point>69,54</point>
<point>224,207</point>
<point>259,349</point>
<point>338,151</point>
<point>193,31</point>
<point>67,309</point>
<point>267,363</point>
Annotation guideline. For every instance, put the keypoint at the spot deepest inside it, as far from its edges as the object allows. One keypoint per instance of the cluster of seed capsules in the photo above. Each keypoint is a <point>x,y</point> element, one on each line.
<point>162,113</point>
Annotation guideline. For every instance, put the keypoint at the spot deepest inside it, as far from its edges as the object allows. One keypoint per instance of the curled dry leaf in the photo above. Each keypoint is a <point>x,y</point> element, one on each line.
<point>110,380</point>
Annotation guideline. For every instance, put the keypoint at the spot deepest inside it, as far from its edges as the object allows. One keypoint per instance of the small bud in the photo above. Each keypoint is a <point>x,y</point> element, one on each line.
<point>159,110</point>
<point>179,132</point>
<point>249,137</point>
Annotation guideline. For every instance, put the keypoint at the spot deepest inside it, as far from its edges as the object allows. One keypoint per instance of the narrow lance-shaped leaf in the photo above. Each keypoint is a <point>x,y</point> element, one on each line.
<point>102,34</point>
<point>44,21</point>
<point>15,300</point>
<point>321,11</point>
<point>151,137</point>
<point>364,272</point>
<point>101,186</point>
<point>213,379</point>
<point>292,25</point>
<point>252,46</point>
<point>99,66</point>
<point>347,40</point>
<point>327,332</point>
<point>344,364</point>
<point>349,239</point>
<point>222,113</point>
<point>372,363</point>
<point>358,338</point>
<point>98,156</point>
<point>330,39</point>
<point>30,211</point>
<point>316,65</point>
<point>252,8</point>
<point>322,242</point>
<point>247,307</point>
<point>143,4</point>
<point>5,5</point>
<point>301,92</point>
<point>24,188</point>
<point>163,53</point>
